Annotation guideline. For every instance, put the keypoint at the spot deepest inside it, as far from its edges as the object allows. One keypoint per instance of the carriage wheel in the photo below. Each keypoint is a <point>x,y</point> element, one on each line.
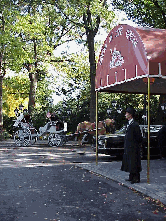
<point>26,142</point>
<point>54,140</point>
<point>22,137</point>
<point>17,138</point>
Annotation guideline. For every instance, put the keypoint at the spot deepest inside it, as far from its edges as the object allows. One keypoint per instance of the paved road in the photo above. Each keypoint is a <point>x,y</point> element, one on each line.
<point>41,154</point>
<point>41,183</point>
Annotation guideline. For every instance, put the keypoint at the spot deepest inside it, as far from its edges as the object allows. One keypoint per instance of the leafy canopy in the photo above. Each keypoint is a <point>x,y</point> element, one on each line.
<point>144,12</point>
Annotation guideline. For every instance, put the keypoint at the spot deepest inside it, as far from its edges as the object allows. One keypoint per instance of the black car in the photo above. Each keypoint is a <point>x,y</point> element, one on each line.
<point>113,144</point>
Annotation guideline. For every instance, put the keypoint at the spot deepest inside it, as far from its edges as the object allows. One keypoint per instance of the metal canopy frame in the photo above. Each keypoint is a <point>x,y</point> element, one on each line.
<point>148,155</point>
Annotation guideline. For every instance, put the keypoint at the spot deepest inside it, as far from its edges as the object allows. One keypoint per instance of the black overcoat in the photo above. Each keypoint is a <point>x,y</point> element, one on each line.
<point>132,144</point>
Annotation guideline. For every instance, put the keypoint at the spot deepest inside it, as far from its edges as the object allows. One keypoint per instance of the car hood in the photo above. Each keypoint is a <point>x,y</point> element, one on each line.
<point>111,136</point>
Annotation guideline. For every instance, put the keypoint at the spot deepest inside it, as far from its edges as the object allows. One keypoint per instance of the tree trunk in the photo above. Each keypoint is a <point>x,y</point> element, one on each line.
<point>32,93</point>
<point>2,74</point>
<point>90,33</point>
<point>1,116</point>
<point>92,78</point>
<point>33,79</point>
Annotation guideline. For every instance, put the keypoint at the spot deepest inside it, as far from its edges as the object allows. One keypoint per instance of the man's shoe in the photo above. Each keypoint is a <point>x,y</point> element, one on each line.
<point>128,180</point>
<point>135,181</point>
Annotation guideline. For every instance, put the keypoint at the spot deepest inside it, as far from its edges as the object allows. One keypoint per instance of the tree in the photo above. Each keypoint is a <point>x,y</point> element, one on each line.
<point>144,12</point>
<point>87,16</point>
<point>15,92</point>
<point>31,28</point>
<point>73,71</point>
<point>42,28</point>
<point>10,48</point>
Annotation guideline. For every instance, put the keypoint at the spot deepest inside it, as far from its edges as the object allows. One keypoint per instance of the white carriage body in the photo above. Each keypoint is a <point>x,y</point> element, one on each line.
<point>26,134</point>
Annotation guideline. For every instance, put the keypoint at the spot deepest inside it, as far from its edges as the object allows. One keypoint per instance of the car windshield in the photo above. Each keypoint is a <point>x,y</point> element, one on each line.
<point>144,128</point>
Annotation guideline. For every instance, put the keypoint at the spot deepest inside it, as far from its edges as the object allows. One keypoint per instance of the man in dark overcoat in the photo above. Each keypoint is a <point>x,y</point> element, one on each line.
<point>161,138</point>
<point>132,144</point>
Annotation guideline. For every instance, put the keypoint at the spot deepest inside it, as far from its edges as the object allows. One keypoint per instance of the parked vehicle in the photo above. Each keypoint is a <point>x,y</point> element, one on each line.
<point>113,144</point>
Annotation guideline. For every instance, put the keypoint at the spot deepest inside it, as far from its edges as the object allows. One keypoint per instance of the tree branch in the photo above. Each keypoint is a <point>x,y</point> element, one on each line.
<point>61,60</point>
<point>55,46</point>
<point>97,25</point>
<point>67,17</point>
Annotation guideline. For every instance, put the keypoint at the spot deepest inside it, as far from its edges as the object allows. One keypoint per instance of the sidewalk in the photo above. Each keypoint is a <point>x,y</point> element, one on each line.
<point>157,187</point>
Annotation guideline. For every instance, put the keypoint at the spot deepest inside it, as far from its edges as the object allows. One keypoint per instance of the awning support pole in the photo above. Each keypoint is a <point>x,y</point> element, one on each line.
<point>148,156</point>
<point>96,127</point>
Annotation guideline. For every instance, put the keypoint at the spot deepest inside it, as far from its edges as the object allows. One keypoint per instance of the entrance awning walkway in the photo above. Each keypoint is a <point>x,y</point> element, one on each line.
<point>132,60</point>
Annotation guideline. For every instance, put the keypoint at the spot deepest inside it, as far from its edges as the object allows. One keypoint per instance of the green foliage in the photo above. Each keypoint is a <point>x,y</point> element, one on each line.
<point>11,47</point>
<point>8,124</point>
<point>80,108</point>
<point>74,10</point>
<point>144,12</point>
<point>17,85</point>
<point>44,93</point>
<point>32,32</point>
<point>74,72</point>
<point>39,118</point>
<point>15,92</point>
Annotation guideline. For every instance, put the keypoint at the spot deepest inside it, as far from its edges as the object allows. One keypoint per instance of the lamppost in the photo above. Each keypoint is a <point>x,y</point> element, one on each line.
<point>25,111</point>
<point>63,112</point>
<point>21,106</point>
<point>16,111</point>
<point>59,111</point>
<point>119,110</point>
<point>69,111</point>
<point>66,111</point>
<point>114,103</point>
<point>110,110</point>
<point>163,107</point>
<point>145,111</point>
<point>145,119</point>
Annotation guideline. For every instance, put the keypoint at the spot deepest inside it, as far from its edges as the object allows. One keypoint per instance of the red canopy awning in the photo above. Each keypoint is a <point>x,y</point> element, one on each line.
<point>128,56</point>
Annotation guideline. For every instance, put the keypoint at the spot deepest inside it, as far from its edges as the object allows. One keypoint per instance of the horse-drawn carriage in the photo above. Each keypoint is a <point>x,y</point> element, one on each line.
<point>54,130</point>
<point>26,134</point>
